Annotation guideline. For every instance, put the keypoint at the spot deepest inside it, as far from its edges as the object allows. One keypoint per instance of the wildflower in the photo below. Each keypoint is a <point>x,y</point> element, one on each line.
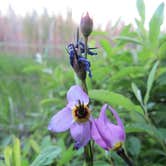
<point>105,133</point>
<point>75,116</point>
<point>86,25</point>
<point>80,64</point>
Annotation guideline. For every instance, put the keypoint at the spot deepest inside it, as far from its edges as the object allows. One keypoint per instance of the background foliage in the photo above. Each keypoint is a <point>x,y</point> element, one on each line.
<point>129,73</point>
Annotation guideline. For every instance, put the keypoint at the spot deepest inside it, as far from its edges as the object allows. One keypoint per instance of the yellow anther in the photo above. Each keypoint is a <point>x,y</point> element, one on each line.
<point>117,146</point>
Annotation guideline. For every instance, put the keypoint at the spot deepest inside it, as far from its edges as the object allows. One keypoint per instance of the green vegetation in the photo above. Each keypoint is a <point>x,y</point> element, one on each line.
<point>129,73</point>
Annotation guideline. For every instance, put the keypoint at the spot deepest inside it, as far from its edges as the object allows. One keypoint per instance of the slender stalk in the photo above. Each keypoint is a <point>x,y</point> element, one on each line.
<point>88,153</point>
<point>122,154</point>
<point>86,46</point>
<point>84,86</point>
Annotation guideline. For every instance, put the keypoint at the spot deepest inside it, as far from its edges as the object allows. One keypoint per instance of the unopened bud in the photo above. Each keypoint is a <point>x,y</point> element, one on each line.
<point>86,25</point>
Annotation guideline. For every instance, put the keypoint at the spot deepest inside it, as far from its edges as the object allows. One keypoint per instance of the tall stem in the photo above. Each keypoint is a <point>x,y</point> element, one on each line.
<point>86,46</point>
<point>88,153</point>
<point>84,86</point>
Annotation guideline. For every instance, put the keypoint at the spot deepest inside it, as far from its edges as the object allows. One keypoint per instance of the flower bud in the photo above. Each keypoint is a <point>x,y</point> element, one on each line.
<point>86,25</point>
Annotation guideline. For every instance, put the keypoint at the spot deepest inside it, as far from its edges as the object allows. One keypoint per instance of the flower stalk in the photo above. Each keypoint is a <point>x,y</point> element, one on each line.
<point>86,26</point>
<point>88,153</point>
<point>86,46</point>
<point>124,156</point>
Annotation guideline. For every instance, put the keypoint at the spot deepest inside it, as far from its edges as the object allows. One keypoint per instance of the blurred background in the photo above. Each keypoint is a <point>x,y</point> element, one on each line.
<point>46,26</point>
<point>129,73</point>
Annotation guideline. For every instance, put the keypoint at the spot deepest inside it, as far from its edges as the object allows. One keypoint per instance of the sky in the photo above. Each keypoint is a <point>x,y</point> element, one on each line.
<point>101,11</point>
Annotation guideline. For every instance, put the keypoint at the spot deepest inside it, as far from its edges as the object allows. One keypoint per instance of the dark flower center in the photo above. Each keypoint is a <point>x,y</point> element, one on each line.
<point>81,112</point>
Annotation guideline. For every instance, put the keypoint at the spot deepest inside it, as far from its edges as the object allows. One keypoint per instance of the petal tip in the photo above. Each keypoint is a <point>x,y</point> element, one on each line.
<point>76,93</point>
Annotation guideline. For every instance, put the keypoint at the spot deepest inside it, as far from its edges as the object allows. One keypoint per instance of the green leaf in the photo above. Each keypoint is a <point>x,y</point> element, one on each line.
<point>33,68</point>
<point>137,92</point>
<point>129,39</point>
<point>141,9</point>
<point>142,33</point>
<point>162,50</point>
<point>47,156</point>
<point>134,145</point>
<point>155,23</point>
<point>114,99</point>
<point>34,145</point>
<point>98,73</point>
<point>8,155</point>
<point>150,81</point>
<point>161,132</point>
<point>106,45</point>
<point>66,156</point>
<point>97,33</point>
<point>138,128</point>
<point>17,152</point>
<point>162,40</point>
<point>128,71</point>
<point>162,70</point>
<point>146,128</point>
<point>50,101</point>
<point>161,80</point>
<point>101,163</point>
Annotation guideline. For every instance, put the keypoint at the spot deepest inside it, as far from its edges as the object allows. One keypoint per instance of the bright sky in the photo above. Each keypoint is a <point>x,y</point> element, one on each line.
<point>101,11</point>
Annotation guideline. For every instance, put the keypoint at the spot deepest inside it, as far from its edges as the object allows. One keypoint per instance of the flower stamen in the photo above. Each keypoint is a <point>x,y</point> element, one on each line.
<point>117,146</point>
<point>81,112</point>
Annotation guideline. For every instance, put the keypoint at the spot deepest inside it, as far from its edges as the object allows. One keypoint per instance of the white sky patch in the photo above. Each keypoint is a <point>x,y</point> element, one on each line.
<point>101,11</point>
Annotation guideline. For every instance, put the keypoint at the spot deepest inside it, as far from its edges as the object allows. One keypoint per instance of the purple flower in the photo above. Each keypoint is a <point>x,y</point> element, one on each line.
<point>105,133</point>
<point>75,116</point>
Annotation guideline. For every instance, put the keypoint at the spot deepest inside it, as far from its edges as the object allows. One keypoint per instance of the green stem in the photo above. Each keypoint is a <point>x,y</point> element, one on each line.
<point>88,153</point>
<point>86,46</point>
<point>84,86</point>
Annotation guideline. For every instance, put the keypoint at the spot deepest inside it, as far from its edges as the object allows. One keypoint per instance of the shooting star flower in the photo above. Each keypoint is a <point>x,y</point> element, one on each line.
<point>105,133</point>
<point>75,116</point>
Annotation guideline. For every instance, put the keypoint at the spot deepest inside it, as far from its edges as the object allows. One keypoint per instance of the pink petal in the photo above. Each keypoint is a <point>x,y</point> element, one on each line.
<point>61,121</point>
<point>81,133</point>
<point>118,134</point>
<point>97,137</point>
<point>75,94</point>
<point>102,115</point>
<point>115,114</point>
<point>105,132</point>
<point>109,132</point>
